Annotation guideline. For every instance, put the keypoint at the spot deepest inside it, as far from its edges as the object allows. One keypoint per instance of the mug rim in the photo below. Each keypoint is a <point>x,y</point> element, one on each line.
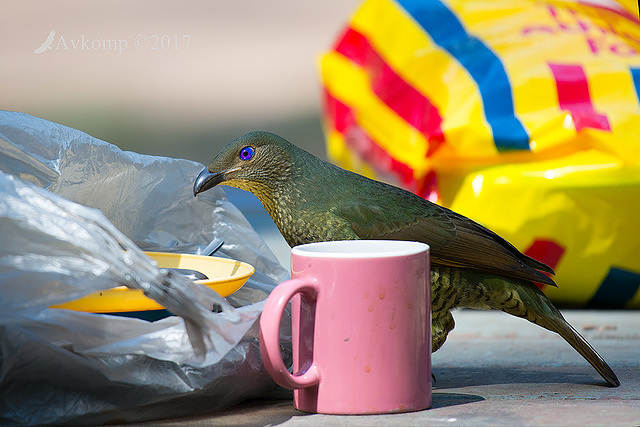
<point>360,249</point>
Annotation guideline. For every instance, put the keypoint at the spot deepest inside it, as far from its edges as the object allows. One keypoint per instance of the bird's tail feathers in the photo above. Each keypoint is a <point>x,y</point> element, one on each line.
<point>582,346</point>
<point>529,302</point>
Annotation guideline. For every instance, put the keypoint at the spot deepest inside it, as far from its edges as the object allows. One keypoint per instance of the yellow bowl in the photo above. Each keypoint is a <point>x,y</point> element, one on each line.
<point>225,276</point>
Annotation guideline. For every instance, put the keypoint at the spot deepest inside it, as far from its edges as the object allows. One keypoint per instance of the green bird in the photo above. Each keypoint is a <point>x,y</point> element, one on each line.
<point>311,200</point>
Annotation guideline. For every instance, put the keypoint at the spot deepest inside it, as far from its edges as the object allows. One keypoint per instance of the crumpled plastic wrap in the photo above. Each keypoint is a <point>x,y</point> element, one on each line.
<point>71,208</point>
<point>520,114</point>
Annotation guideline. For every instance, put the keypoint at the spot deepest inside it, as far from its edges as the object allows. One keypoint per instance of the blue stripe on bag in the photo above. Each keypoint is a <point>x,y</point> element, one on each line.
<point>617,289</point>
<point>635,75</point>
<point>484,66</point>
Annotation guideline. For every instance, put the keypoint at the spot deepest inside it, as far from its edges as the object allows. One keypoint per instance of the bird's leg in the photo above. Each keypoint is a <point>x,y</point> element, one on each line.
<point>444,297</point>
<point>440,328</point>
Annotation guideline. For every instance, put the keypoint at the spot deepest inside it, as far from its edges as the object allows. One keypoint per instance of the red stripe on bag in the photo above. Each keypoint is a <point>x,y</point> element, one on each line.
<point>342,119</point>
<point>546,251</point>
<point>573,96</point>
<point>393,90</point>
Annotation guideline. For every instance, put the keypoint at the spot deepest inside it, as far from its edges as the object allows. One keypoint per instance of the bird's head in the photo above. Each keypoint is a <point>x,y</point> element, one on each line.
<point>253,162</point>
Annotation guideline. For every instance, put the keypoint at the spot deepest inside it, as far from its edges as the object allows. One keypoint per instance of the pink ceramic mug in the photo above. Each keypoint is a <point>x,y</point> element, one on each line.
<point>361,327</point>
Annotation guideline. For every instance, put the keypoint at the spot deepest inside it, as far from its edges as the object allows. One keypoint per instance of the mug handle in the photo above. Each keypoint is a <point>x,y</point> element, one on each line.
<point>270,335</point>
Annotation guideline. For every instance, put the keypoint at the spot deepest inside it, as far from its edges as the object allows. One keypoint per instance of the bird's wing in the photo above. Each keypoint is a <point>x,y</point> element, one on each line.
<point>455,240</point>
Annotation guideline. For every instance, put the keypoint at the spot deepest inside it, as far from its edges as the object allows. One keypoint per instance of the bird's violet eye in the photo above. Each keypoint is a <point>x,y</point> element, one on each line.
<point>246,153</point>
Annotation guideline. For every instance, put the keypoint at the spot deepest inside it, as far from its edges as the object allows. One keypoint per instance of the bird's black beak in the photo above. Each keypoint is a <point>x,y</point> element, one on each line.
<point>207,180</point>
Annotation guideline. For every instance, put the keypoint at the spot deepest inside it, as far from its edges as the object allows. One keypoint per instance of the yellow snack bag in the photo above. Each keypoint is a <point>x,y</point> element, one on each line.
<point>523,115</point>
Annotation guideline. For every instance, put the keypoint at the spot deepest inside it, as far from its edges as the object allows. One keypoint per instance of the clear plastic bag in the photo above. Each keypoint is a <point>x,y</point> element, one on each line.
<point>71,208</point>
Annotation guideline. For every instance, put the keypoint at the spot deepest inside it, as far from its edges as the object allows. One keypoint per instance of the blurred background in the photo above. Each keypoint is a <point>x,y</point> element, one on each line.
<point>177,79</point>
<point>170,78</point>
